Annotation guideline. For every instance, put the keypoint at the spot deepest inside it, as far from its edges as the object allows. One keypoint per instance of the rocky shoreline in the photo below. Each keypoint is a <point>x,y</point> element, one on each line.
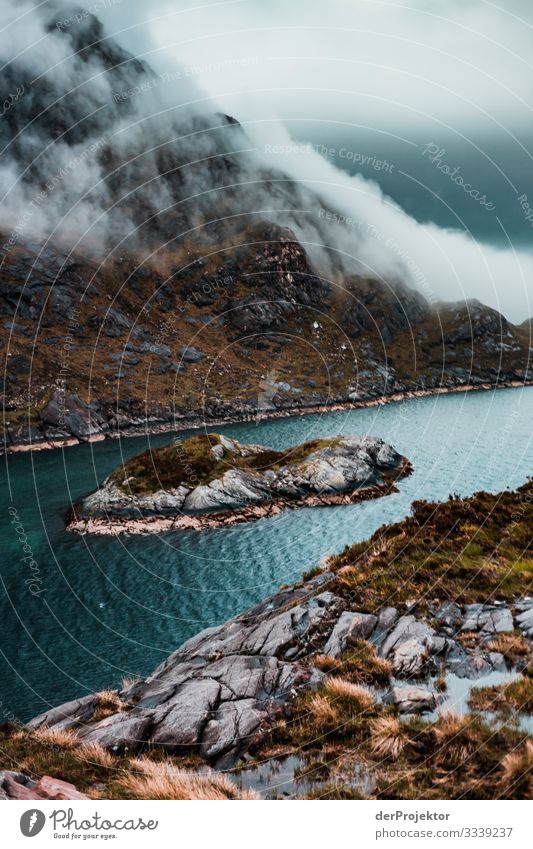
<point>221,690</point>
<point>382,671</point>
<point>36,440</point>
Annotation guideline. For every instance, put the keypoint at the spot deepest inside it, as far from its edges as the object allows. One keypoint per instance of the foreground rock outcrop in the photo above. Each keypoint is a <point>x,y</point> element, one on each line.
<point>382,663</point>
<point>219,690</point>
<point>210,481</point>
<point>219,693</point>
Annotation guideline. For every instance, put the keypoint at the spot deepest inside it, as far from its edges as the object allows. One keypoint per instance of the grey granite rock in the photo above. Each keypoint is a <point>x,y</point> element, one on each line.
<point>71,414</point>
<point>349,464</point>
<point>449,614</point>
<point>525,621</point>
<point>190,354</point>
<point>387,618</point>
<point>409,646</point>
<point>181,720</point>
<point>476,663</point>
<point>231,728</point>
<point>411,699</point>
<point>119,732</point>
<point>489,618</point>
<point>67,715</point>
<point>349,628</point>
<point>220,686</point>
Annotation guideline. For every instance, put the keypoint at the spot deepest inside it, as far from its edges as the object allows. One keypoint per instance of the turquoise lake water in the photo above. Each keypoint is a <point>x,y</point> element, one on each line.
<point>115,607</point>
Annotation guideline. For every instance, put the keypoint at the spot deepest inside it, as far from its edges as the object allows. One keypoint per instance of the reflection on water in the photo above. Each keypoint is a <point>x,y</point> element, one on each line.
<point>299,775</point>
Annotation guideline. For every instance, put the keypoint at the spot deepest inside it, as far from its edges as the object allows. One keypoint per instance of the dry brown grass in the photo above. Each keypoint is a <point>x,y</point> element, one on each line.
<point>165,781</point>
<point>339,688</point>
<point>321,710</point>
<point>450,725</point>
<point>440,684</point>
<point>359,664</point>
<point>57,738</point>
<point>109,698</point>
<point>95,754</point>
<point>515,696</point>
<point>513,646</point>
<point>340,709</point>
<point>326,663</point>
<point>455,737</point>
<point>517,771</point>
<point>108,702</point>
<point>388,738</point>
<point>400,562</point>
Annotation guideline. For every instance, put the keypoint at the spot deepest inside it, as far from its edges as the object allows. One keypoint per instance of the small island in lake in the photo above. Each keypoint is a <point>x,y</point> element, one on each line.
<point>210,481</point>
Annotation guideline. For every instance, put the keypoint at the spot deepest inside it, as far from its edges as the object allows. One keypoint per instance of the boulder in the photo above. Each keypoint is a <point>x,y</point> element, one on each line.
<point>387,618</point>
<point>449,614</point>
<point>189,354</point>
<point>499,621</point>
<point>20,787</point>
<point>475,664</point>
<point>70,413</point>
<point>489,618</point>
<point>409,646</point>
<point>525,621</point>
<point>67,715</point>
<point>349,628</point>
<point>411,699</point>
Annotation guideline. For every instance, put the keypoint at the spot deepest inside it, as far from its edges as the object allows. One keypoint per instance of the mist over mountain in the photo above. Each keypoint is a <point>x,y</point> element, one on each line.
<point>160,259</point>
<point>93,155</point>
<point>129,157</point>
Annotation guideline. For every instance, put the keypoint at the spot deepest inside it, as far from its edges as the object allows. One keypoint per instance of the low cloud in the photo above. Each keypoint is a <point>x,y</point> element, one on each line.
<point>130,150</point>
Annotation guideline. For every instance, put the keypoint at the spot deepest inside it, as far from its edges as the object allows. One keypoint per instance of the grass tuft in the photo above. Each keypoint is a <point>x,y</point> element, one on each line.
<point>338,688</point>
<point>515,696</point>
<point>517,772</point>
<point>147,779</point>
<point>513,646</point>
<point>388,737</point>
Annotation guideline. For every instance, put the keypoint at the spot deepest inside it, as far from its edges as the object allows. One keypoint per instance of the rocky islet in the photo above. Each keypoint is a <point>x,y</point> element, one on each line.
<point>235,482</point>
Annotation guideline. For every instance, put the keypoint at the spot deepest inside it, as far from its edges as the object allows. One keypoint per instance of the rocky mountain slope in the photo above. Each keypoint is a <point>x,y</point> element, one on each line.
<point>155,272</point>
<point>92,350</point>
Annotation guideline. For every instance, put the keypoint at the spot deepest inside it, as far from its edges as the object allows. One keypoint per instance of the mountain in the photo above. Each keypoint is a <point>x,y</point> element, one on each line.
<point>155,271</point>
